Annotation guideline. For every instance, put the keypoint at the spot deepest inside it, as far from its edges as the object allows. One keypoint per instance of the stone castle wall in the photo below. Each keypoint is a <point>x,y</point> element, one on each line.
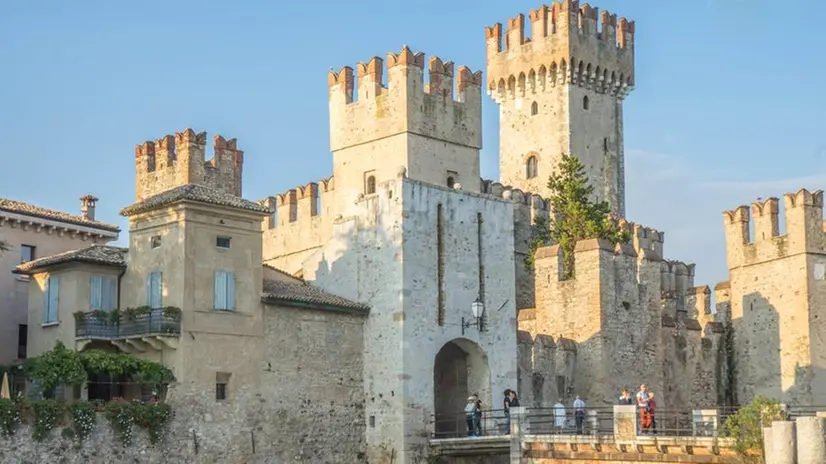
<point>387,256</point>
<point>776,293</point>
<point>177,160</point>
<point>618,325</point>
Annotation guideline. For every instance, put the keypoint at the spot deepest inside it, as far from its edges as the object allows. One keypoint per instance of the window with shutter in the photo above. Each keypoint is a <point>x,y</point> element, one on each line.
<point>154,290</point>
<point>224,299</point>
<point>51,300</point>
<point>102,294</point>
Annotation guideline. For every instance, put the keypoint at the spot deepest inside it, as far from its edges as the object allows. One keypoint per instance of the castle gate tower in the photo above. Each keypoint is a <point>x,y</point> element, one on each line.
<point>560,91</point>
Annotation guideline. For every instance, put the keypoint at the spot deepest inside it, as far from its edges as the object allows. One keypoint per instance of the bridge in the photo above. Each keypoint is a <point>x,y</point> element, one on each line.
<point>606,436</point>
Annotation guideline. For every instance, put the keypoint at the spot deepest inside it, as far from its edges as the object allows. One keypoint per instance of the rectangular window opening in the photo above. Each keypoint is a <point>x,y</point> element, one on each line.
<point>224,292</point>
<point>221,385</point>
<point>22,340</point>
<point>51,300</point>
<point>154,290</point>
<point>27,253</point>
<point>222,242</point>
<point>155,242</point>
<point>103,293</point>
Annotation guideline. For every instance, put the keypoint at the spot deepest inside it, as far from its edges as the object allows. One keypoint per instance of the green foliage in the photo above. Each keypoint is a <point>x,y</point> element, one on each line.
<point>69,367</point>
<point>115,316</point>
<point>46,416</point>
<point>154,417</point>
<point>746,426</point>
<point>55,367</point>
<point>121,416</point>
<point>576,216</point>
<point>83,420</point>
<point>9,416</point>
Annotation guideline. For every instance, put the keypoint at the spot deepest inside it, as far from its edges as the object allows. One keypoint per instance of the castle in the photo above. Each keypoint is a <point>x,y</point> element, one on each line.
<point>396,287</point>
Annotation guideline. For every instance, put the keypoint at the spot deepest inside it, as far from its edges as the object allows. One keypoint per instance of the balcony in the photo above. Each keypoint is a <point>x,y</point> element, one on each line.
<point>133,330</point>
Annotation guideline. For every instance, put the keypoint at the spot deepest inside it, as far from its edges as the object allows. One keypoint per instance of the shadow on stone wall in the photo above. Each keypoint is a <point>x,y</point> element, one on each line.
<point>757,366</point>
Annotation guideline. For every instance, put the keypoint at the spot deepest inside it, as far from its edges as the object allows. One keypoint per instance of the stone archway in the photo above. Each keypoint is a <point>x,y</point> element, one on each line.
<point>460,369</point>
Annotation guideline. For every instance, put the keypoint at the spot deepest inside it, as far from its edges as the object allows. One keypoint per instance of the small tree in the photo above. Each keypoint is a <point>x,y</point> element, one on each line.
<point>575,216</point>
<point>746,427</point>
<point>4,245</point>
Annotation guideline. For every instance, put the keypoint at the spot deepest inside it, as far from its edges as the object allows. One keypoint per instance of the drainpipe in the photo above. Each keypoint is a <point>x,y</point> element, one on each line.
<point>120,276</point>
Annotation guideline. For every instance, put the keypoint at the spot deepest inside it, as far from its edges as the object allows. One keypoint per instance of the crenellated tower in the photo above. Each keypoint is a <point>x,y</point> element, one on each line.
<point>175,160</point>
<point>376,128</point>
<point>560,91</point>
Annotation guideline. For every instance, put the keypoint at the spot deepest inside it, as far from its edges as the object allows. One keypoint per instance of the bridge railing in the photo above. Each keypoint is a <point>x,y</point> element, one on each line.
<point>596,421</point>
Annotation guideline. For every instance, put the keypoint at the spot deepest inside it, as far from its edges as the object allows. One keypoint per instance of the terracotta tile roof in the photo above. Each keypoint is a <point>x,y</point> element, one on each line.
<point>194,192</point>
<point>18,207</point>
<point>95,254</point>
<point>276,291</point>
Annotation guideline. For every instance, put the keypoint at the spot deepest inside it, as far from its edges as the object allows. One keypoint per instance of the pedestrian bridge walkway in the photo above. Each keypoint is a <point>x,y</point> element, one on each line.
<point>606,437</point>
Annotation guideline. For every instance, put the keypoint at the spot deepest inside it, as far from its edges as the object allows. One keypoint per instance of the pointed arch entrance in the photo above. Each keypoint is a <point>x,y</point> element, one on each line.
<point>460,370</point>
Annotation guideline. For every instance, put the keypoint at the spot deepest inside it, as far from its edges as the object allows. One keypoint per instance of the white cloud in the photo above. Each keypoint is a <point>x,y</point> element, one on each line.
<point>687,204</point>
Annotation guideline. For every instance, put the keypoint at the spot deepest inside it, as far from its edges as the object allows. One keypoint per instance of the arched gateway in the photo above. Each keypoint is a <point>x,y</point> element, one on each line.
<point>460,369</point>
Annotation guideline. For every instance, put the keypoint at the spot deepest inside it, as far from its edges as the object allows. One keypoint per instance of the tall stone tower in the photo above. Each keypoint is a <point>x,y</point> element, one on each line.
<point>560,92</point>
<point>407,123</point>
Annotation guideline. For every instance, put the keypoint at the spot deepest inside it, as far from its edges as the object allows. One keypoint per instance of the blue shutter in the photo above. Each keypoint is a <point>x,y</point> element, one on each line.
<point>108,298</point>
<point>154,286</point>
<point>46,301</point>
<point>54,298</point>
<point>230,291</point>
<point>220,294</point>
<point>96,293</point>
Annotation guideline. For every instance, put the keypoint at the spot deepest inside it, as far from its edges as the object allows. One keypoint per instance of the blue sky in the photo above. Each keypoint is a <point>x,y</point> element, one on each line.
<point>729,103</point>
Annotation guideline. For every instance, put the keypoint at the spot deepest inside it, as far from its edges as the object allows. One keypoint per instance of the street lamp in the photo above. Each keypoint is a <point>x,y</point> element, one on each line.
<point>478,309</point>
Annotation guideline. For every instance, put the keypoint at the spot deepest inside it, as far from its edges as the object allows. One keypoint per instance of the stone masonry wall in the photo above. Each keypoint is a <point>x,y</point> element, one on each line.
<point>620,312</point>
<point>367,261</point>
<point>306,405</point>
<point>777,290</point>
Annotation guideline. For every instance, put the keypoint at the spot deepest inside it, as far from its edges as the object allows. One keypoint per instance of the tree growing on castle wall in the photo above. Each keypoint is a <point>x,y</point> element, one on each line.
<point>4,245</point>
<point>575,216</point>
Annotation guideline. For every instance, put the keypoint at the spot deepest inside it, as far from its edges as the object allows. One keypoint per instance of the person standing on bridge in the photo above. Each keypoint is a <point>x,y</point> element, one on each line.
<point>470,416</point>
<point>579,414</point>
<point>510,401</point>
<point>559,416</point>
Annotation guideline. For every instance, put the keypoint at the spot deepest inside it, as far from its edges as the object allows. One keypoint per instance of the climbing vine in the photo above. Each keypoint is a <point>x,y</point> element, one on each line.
<point>68,367</point>
<point>121,416</point>
<point>154,417</point>
<point>9,416</point>
<point>83,420</point>
<point>46,415</point>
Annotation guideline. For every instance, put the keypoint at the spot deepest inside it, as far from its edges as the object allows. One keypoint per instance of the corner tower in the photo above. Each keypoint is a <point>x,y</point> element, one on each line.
<point>560,91</point>
<point>421,127</point>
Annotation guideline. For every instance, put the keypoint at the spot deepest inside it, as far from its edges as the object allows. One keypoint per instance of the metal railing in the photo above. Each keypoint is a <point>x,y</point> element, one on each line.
<point>597,421</point>
<point>155,322</point>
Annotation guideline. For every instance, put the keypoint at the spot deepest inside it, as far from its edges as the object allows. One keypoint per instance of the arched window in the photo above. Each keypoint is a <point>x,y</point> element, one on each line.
<point>534,109</point>
<point>370,188</point>
<point>585,102</point>
<point>450,182</point>
<point>530,168</point>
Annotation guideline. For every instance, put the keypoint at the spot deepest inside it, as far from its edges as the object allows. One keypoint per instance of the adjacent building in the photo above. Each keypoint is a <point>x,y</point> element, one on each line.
<point>33,232</point>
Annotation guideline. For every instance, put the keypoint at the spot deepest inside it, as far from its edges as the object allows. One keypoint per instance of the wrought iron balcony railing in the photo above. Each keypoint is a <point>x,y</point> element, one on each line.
<point>154,322</point>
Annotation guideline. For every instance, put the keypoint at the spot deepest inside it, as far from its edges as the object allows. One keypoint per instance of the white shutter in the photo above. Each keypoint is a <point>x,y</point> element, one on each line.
<point>46,302</point>
<point>230,291</point>
<point>96,293</point>
<point>54,298</point>
<point>220,296</point>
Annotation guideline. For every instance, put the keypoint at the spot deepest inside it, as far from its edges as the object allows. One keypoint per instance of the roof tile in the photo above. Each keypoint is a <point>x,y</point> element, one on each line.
<point>18,207</point>
<point>95,254</point>
<point>305,293</point>
<point>194,192</point>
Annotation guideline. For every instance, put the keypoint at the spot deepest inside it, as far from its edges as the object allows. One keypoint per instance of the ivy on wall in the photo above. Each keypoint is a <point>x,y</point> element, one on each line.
<point>62,366</point>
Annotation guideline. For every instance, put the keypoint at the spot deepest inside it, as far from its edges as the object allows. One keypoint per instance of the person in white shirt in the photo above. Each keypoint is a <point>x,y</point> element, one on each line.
<point>579,414</point>
<point>559,416</point>
<point>642,405</point>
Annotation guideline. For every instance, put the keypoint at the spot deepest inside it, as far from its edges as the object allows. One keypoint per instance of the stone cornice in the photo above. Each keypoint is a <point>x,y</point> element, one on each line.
<point>49,226</point>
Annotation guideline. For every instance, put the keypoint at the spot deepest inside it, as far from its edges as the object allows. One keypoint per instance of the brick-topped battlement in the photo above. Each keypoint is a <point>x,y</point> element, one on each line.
<point>172,161</point>
<point>804,228</point>
<point>364,108</point>
<point>516,195</point>
<point>569,44</point>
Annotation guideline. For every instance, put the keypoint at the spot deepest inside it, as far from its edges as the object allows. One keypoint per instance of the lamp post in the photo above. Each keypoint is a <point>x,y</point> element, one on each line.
<point>478,309</point>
